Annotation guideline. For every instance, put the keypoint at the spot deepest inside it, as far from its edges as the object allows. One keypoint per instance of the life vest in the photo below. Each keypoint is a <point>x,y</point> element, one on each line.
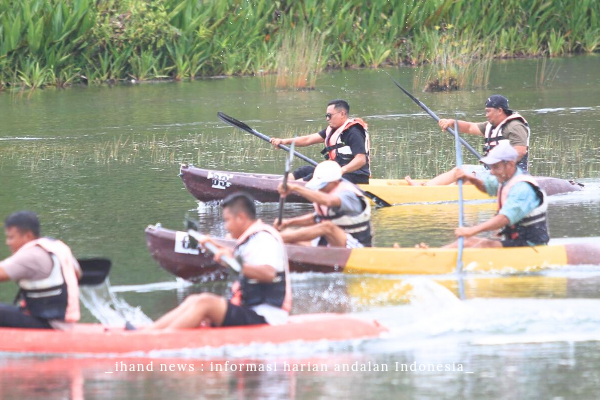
<point>57,296</point>
<point>359,226</point>
<point>534,227</point>
<point>339,151</point>
<point>494,135</point>
<point>250,292</point>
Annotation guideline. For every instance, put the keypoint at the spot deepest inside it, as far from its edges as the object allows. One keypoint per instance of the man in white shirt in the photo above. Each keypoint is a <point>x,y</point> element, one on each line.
<point>263,293</point>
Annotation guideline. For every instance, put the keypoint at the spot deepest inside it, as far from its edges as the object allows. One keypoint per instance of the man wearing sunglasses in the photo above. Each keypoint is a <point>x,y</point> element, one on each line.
<point>346,142</point>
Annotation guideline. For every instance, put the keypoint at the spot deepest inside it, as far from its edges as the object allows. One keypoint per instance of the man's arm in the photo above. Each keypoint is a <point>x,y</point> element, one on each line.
<point>302,141</point>
<point>460,173</point>
<point>463,126</point>
<point>303,220</point>
<point>3,275</point>
<point>313,196</point>
<point>357,163</point>
<point>521,151</point>
<point>262,273</point>
<point>497,222</point>
<point>517,135</point>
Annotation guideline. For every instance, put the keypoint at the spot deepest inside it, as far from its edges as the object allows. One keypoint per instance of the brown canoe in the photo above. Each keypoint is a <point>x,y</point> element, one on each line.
<point>209,185</point>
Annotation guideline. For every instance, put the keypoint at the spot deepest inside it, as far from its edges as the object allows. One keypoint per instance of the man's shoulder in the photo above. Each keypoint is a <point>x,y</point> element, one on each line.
<point>21,264</point>
<point>356,128</point>
<point>514,123</point>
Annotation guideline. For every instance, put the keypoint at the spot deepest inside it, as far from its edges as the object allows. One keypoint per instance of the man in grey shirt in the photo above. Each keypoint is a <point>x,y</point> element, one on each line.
<point>47,273</point>
<point>342,216</point>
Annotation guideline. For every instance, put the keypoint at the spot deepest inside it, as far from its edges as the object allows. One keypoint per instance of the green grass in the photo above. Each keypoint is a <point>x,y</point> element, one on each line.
<point>56,42</point>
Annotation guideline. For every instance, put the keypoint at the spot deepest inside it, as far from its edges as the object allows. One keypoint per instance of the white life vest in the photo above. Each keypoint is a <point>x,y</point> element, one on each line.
<point>337,150</point>
<point>359,226</point>
<point>250,292</point>
<point>493,135</point>
<point>533,227</point>
<point>57,296</point>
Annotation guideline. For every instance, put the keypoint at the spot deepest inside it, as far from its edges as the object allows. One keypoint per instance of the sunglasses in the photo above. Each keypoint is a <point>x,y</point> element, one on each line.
<point>328,115</point>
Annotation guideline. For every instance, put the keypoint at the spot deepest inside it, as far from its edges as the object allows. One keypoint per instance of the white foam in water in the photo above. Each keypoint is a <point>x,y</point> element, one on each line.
<point>548,110</point>
<point>179,283</point>
<point>109,309</point>
<point>491,322</point>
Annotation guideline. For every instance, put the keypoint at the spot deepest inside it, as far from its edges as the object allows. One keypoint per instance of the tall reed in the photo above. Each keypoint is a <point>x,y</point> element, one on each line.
<point>114,40</point>
<point>299,60</point>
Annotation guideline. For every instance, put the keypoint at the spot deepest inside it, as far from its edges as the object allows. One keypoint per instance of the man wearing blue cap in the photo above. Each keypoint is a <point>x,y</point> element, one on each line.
<point>342,216</point>
<point>522,203</point>
<point>502,124</point>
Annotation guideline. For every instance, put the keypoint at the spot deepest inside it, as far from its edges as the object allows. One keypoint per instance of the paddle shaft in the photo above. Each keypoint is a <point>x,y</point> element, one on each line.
<point>229,261</point>
<point>436,118</point>
<point>288,167</point>
<point>461,240</point>
<point>238,124</point>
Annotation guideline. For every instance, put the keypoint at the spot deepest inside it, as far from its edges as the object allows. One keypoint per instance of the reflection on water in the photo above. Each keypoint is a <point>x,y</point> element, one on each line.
<point>100,164</point>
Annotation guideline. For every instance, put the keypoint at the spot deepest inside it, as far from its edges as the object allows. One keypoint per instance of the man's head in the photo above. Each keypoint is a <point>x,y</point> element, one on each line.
<point>20,228</point>
<point>502,161</point>
<point>337,113</point>
<point>496,109</point>
<point>239,212</point>
<point>326,176</point>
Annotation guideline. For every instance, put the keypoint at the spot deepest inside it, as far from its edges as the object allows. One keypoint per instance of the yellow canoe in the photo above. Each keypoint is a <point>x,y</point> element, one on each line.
<point>169,249</point>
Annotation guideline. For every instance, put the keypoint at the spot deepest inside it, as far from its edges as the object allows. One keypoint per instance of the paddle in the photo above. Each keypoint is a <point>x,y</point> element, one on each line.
<point>288,167</point>
<point>195,237</point>
<point>93,270</point>
<point>461,240</point>
<point>436,118</point>
<point>239,124</point>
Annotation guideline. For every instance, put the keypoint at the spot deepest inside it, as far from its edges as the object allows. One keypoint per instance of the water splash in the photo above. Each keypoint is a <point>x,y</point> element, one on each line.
<point>109,309</point>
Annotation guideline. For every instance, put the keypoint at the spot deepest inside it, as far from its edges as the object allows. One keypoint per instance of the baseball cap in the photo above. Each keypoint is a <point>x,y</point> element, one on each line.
<point>502,152</point>
<point>326,172</point>
<point>497,101</point>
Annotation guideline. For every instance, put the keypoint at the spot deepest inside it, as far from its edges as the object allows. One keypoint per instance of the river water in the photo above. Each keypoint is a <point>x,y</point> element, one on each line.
<point>100,164</point>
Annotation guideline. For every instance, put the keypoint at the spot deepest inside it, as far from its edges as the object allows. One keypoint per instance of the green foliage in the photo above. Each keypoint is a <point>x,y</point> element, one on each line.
<point>113,40</point>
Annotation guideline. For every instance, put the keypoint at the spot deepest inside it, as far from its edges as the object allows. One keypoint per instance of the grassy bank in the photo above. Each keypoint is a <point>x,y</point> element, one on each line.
<point>60,42</point>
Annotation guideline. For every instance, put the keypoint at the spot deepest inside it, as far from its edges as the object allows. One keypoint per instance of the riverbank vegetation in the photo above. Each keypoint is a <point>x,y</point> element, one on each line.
<point>63,42</point>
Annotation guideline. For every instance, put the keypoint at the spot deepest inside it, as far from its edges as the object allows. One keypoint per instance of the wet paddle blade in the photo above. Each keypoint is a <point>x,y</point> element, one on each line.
<point>94,270</point>
<point>232,121</point>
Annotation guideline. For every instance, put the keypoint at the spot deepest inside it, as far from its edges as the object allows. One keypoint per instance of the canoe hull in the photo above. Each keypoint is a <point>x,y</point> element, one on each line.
<point>208,185</point>
<point>406,261</point>
<point>94,339</point>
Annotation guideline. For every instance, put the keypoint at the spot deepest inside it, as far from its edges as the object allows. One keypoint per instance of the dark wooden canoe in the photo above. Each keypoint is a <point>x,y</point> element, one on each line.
<point>210,185</point>
<point>169,249</point>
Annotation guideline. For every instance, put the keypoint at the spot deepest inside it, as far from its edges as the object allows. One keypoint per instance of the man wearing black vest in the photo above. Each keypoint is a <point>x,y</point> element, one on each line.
<point>346,142</point>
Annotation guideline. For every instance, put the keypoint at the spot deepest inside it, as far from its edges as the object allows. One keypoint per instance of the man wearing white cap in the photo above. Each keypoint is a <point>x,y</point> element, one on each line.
<point>342,216</point>
<point>503,124</point>
<point>521,203</point>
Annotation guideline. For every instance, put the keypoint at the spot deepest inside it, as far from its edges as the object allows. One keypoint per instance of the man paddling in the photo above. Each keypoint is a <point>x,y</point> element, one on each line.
<point>502,124</point>
<point>46,272</point>
<point>346,142</point>
<point>521,203</point>
<point>342,216</point>
<point>263,293</point>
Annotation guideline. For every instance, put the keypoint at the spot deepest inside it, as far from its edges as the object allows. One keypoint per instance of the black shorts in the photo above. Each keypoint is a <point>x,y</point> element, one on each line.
<point>15,317</point>
<point>305,173</point>
<point>520,243</point>
<point>241,315</point>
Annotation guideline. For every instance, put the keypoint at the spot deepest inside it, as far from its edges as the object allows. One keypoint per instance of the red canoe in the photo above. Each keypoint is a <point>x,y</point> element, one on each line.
<point>95,339</point>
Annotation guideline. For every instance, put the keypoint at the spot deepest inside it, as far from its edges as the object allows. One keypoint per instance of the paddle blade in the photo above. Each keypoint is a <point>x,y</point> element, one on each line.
<point>232,121</point>
<point>94,270</point>
<point>379,202</point>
